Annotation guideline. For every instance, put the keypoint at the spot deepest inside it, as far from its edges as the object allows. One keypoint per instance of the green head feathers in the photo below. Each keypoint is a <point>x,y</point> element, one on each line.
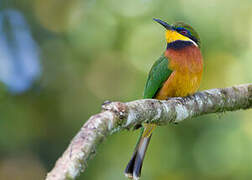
<point>177,29</point>
<point>187,30</point>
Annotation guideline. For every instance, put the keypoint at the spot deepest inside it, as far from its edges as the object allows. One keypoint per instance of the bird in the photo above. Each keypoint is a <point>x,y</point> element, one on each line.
<point>177,73</point>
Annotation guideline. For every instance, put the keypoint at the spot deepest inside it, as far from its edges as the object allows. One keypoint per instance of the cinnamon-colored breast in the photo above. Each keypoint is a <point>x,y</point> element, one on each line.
<point>187,66</point>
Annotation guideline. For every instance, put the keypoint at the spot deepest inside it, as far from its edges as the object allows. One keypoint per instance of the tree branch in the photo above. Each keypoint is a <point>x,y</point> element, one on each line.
<point>116,116</point>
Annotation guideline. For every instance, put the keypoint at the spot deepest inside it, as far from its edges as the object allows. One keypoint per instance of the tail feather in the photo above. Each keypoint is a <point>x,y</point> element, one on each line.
<point>130,166</point>
<point>134,167</point>
<point>140,157</point>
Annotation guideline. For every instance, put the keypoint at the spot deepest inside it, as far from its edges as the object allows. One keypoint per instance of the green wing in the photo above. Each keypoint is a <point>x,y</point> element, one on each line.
<point>158,74</point>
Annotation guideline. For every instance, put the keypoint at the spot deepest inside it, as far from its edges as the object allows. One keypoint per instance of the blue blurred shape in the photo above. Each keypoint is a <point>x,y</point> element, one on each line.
<point>19,53</point>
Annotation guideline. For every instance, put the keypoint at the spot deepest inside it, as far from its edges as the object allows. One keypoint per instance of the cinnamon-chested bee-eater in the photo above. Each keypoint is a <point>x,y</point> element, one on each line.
<point>176,73</point>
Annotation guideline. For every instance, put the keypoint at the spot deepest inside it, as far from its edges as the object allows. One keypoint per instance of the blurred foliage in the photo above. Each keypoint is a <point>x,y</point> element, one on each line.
<point>91,51</point>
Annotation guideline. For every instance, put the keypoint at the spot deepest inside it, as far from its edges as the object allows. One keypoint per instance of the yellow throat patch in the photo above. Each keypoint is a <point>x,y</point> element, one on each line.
<point>172,36</point>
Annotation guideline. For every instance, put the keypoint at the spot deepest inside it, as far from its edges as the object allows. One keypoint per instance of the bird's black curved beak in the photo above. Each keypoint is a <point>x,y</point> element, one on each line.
<point>167,26</point>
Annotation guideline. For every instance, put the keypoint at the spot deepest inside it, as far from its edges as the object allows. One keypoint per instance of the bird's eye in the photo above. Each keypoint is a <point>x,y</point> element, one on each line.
<point>184,32</point>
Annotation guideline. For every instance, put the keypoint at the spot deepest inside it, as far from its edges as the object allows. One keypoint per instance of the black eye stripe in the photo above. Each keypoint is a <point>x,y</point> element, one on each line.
<point>180,28</point>
<point>191,33</point>
<point>184,31</point>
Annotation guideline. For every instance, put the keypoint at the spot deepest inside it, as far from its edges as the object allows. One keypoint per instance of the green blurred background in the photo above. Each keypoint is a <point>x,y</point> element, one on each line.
<point>83,52</point>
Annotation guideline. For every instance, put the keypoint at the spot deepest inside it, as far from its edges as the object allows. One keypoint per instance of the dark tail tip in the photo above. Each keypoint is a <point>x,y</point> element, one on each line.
<point>130,167</point>
<point>133,169</point>
<point>137,167</point>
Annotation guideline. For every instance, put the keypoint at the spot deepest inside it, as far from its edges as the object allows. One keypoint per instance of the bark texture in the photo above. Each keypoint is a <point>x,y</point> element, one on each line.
<point>116,116</point>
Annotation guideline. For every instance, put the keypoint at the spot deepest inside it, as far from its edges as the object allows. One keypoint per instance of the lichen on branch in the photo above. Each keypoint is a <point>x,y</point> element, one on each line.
<point>116,116</point>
